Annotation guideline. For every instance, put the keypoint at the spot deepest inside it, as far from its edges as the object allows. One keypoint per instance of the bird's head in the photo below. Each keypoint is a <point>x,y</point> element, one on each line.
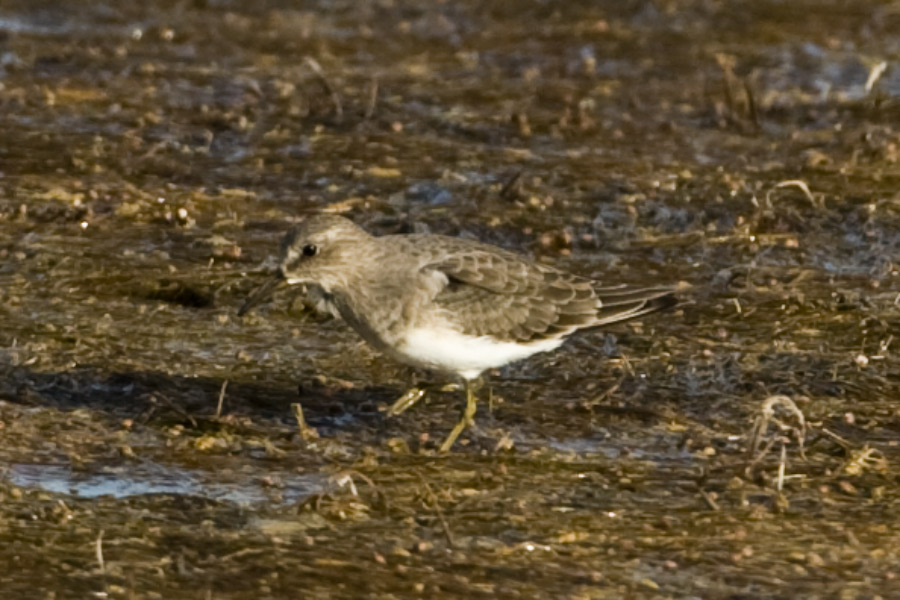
<point>323,250</point>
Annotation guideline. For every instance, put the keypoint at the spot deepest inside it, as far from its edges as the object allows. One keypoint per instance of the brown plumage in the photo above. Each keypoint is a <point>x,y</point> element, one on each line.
<point>503,295</point>
<point>446,303</point>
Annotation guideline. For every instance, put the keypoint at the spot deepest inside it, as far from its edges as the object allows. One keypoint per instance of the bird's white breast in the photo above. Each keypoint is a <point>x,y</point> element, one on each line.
<point>465,355</point>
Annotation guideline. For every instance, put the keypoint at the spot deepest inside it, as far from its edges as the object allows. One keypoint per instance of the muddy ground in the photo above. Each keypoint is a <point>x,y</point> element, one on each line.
<point>745,445</point>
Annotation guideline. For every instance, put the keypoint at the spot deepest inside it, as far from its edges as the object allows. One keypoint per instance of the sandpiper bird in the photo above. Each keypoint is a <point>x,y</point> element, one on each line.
<point>450,304</point>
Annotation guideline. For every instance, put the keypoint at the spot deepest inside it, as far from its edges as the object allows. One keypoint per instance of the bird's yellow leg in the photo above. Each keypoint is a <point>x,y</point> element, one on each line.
<point>406,401</point>
<point>468,418</point>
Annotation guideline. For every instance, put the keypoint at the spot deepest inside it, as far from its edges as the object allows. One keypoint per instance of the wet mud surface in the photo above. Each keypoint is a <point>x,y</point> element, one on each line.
<point>745,445</point>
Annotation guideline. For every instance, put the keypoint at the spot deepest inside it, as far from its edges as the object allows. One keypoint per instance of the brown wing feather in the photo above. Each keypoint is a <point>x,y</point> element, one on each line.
<point>508,298</point>
<point>495,292</point>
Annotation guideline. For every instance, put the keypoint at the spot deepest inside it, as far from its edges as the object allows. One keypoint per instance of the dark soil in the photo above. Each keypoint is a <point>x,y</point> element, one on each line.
<point>745,445</point>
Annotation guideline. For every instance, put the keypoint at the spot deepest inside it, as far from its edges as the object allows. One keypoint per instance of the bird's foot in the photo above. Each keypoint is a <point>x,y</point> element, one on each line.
<point>414,396</point>
<point>467,420</point>
<point>406,401</point>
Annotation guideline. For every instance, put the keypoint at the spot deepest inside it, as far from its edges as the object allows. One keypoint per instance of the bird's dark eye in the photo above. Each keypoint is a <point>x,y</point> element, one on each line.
<point>310,250</point>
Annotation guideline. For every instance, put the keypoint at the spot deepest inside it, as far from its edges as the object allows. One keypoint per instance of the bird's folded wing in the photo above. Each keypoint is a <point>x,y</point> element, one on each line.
<point>510,299</point>
<point>506,297</point>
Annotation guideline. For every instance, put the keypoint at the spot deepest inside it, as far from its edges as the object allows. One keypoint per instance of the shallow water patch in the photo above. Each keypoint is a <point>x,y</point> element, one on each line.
<point>153,478</point>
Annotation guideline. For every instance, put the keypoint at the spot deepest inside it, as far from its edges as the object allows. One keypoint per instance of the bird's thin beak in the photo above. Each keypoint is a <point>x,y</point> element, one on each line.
<point>261,293</point>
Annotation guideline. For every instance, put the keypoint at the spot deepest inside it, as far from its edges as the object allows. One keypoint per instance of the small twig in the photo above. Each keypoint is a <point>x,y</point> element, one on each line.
<point>768,409</point>
<point>98,549</point>
<point>767,415</point>
<point>160,398</point>
<point>345,479</point>
<point>437,509</point>
<point>372,100</point>
<point>365,478</point>
<point>316,68</point>
<point>306,432</point>
<point>710,501</point>
<point>627,365</point>
<point>799,184</point>
<point>875,74</point>
<point>782,465</point>
<point>605,394</point>
<point>221,398</point>
<point>743,115</point>
<point>726,64</point>
<point>762,454</point>
<point>242,553</point>
<point>865,459</point>
<point>847,446</point>
<point>751,103</point>
<point>341,478</point>
<point>782,434</point>
<point>510,189</point>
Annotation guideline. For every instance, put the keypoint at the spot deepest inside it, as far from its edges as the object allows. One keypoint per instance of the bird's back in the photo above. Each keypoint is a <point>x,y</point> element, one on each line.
<point>489,291</point>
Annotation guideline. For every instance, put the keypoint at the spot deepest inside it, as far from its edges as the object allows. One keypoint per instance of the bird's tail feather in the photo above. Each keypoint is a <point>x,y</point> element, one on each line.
<point>619,304</point>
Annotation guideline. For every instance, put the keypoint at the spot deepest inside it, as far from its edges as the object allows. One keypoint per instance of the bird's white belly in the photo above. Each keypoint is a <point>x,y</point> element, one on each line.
<point>466,355</point>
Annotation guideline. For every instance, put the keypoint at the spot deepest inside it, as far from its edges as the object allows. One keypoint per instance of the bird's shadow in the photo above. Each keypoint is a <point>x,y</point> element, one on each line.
<point>162,399</point>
